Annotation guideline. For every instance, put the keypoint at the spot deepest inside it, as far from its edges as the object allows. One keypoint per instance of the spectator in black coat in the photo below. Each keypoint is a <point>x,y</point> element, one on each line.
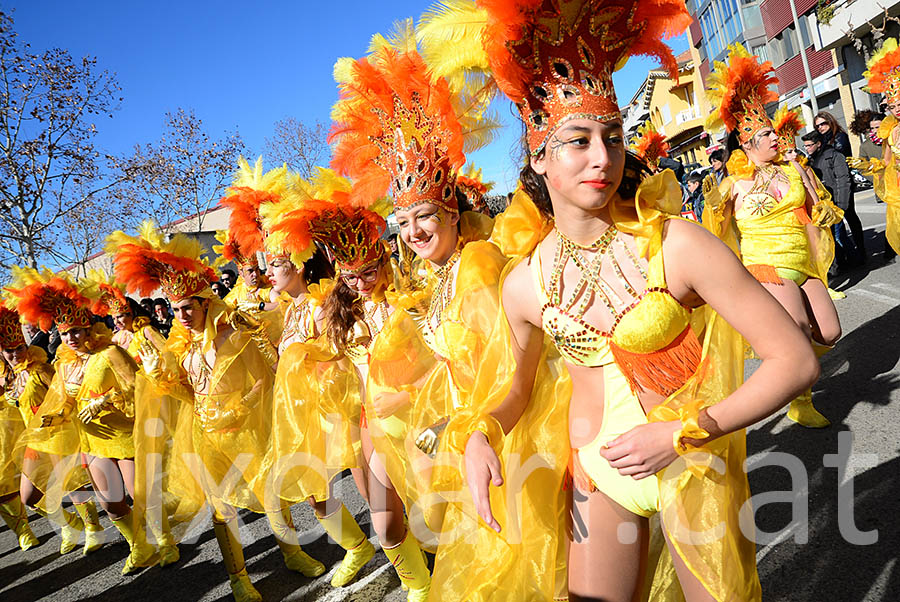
<point>832,133</point>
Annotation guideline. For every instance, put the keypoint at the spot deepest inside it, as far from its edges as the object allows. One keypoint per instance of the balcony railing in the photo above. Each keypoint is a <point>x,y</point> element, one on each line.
<point>687,115</point>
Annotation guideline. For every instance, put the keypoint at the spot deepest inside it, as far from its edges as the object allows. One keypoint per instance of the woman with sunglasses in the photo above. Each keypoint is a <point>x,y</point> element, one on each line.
<point>834,134</point>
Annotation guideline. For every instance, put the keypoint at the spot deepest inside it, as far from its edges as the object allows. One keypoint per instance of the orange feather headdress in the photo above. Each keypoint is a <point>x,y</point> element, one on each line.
<point>250,189</point>
<point>109,297</point>
<point>739,91</point>
<point>401,130</point>
<point>555,58</point>
<point>323,210</point>
<point>883,71</point>
<point>650,144</point>
<point>11,336</point>
<point>147,262</point>
<point>45,299</point>
<point>469,182</point>
<point>787,124</point>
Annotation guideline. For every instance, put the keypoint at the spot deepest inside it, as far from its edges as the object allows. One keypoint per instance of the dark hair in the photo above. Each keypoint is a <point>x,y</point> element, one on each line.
<point>137,310</point>
<point>317,267</point>
<point>343,308</point>
<point>732,143</point>
<point>536,187</point>
<point>147,300</point>
<point>231,272</point>
<point>833,126</point>
<point>860,123</point>
<point>717,155</point>
<point>813,136</point>
<point>695,178</point>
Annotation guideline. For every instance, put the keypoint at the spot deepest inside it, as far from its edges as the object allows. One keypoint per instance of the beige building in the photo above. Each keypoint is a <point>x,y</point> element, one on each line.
<point>677,108</point>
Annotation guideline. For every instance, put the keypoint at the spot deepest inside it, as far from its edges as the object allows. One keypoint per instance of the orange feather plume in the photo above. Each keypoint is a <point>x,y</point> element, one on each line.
<point>734,86</point>
<point>651,145</point>
<point>45,298</point>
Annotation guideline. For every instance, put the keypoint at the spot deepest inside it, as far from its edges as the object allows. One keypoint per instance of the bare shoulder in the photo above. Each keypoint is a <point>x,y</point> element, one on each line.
<point>520,300</point>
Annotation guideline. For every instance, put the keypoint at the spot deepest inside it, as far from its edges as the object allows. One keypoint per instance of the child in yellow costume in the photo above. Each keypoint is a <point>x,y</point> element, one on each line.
<point>771,202</point>
<point>134,333</point>
<point>19,362</point>
<point>653,409</point>
<point>422,363</point>
<point>883,77</point>
<point>89,407</point>
<point>218,364</point>
<point>27,382</point>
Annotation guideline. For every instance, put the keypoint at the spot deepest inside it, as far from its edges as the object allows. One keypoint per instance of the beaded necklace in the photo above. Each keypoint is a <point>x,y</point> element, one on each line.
<point>199,382</point>
<point>443,294</point>
<point>381,309</point>
<point>589,279</point>
<point>296,322</point>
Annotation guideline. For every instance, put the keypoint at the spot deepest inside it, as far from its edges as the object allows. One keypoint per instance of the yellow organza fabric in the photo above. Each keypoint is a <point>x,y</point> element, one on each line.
<point>11,427</point>
<point>219,438</point>
<point>706,487</point>
<point>891,192</point>
<point>437,378</point>
<point>315,427</point>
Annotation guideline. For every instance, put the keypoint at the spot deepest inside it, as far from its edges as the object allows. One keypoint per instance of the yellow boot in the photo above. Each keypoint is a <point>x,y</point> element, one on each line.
<point>295,558</point>
<point>167,548</point>
<point>803,413</point>
<point>93,531</point>
<point>233,556</point>
<point>69,525</point>
<point>343,528</point>
<point>410,565</point>
<point>13,512</point>
<point>142,553</point>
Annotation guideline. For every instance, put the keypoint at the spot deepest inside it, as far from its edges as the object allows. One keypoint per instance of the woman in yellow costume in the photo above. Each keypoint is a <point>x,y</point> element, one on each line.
<point>219,364</point>
<point>469,182</point>
<point>655,407</point>
<point>134,333</point>
<point>24,377</point>
<point>771,202</point>
<point>26,387</point>
<point>89,407</point>
<point>883,74</point>
<point>400,130</point>
<point>787,124</point>
<point>314,392</point>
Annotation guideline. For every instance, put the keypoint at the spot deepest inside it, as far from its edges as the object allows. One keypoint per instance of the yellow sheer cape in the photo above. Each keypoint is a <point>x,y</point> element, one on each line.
<point>438,379</point>
<point>891,192</point>
<point>11,427</point>
<point>705,488</point>
<point>219,439</point>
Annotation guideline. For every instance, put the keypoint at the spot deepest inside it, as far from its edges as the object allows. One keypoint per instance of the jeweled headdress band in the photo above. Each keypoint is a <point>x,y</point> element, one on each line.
<point>11,336</point>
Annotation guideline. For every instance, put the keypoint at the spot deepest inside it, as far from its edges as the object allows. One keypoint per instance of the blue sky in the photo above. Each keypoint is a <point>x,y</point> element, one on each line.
<point>240,65</point>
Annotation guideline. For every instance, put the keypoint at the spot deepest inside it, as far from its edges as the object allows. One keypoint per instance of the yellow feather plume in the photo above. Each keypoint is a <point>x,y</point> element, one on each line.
<point>402,38</point>
<point>449,35</point>
<point>254,177</point>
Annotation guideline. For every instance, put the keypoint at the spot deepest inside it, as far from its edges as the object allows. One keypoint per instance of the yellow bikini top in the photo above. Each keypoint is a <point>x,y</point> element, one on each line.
<point>758,202</point>
<point>651,339</point>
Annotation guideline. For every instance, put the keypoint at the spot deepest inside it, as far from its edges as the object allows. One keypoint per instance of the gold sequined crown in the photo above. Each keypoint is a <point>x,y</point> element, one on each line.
<point>11,335</point>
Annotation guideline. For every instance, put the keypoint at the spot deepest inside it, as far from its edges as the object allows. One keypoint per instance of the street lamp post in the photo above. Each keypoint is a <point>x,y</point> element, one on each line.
<point>809,82</point>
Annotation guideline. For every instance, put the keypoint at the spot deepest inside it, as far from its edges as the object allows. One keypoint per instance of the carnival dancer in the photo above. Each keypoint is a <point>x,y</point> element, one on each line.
<point>134,333</point>
<point>470,183</point>
<point>315,395</point>
<point>19,362</point>
<point>883,77</point>
<point>787,124</point>
<point>771,203</point>
<point>650,146</point>
<point>611,276</point>
<point>89,408</point>
<point>218,363</point>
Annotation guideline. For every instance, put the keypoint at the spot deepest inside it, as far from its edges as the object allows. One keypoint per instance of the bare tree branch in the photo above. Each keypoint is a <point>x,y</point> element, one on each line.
<point>298,145</point>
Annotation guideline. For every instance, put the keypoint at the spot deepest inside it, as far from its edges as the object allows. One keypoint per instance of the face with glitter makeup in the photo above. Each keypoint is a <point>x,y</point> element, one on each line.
<point>763,146</point>
<point>583,163</point>
<point>429,231</point>
<point>75,338</point>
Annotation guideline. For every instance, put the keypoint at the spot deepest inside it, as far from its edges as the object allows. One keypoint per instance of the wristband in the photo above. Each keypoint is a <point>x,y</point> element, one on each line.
<point>492,430</point>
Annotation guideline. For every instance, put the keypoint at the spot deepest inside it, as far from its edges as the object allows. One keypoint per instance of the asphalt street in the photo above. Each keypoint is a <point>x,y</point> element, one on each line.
<point>826,521</point>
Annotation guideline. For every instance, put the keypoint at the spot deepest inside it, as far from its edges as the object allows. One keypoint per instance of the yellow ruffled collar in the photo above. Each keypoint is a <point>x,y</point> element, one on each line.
<point>34,357</point>
<point>886,127</point>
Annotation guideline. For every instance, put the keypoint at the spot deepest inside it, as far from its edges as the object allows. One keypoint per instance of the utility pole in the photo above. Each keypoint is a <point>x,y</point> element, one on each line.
<point>809,82</point>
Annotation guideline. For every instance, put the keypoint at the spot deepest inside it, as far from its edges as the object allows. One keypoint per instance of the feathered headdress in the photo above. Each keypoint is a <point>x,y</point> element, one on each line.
<point>883,71</point>
<point>469,183</point>
<point>553,58</point>
<point>787,124</point>
<point>11,336</point>
<point>109,297</point>
<point>400,129</point>
<point>322,211</point>
<point>45,298</point>
<point>650,144</point>
<point>739,91</point>
<point>250,188</point>
<point>147,262</point>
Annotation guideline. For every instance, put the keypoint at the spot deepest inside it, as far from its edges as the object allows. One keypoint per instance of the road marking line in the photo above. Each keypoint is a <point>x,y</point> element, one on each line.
<point>881,582</point>
<point>763,551</point>
<point>876,296</point>
<point>887,287</point>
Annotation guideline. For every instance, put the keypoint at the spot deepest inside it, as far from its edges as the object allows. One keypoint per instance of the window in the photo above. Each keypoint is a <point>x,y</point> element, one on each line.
<point>761,51</point>
<point>731,21</point>
<point>666,113</point>
<point>789,42</point>
<point>711,32</point>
